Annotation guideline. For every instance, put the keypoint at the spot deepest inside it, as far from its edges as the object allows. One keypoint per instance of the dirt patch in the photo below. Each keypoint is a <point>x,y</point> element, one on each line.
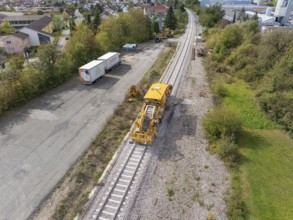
<point>183,180</point>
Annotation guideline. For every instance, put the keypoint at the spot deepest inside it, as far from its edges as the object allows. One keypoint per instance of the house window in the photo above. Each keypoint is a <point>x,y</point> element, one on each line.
<point>8,42</point>
<point>43,39</point>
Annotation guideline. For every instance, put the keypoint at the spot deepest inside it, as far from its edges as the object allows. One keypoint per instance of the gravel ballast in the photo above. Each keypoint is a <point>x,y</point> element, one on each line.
<point>182,179</point>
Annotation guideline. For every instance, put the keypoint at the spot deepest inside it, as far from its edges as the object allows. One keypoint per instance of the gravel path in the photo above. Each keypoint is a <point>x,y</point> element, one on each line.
<point>183,180</point>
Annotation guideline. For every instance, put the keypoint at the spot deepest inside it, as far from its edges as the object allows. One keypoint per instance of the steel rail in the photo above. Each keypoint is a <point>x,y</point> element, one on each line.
<point>106,200</point>
<point>183,51</point>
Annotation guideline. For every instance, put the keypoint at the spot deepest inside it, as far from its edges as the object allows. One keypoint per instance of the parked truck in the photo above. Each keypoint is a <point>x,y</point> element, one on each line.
<point>92,71</point>
<point>111,60</point>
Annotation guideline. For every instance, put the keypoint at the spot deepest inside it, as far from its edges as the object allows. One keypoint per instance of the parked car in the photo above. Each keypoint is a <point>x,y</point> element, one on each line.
<point>158,40</point>
<point>199,38</point>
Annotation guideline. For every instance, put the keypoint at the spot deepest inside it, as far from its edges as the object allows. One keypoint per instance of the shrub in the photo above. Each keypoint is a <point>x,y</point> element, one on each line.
<point>220,90</point>
<point>222,122</point>
<point>228,150</point>
<point>279,108</point>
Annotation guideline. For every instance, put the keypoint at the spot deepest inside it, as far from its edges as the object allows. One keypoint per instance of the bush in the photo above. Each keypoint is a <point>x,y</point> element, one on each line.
<point>220,90</point>
<point>228,150</point>
<point>222,122</point>
<point>279,107</point>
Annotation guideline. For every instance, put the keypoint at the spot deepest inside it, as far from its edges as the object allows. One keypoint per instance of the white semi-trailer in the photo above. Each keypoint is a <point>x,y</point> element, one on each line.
<point>111,60</point>
<point>91,71</point>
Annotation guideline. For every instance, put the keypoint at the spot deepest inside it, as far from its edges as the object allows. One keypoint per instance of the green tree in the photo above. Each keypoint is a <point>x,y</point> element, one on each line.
<point>81,48</point>
<point>58,23</point>
<point>87,19</point>
<point>112,34</point>
<point>6,28</point>
<point>13,73</point>
<point>170,19</point>
<point>255,17</point>
<point>48,55</point>
<point>228,39</point>
<point>271,47</point>
<point>242,16</point>
<point>70,7</point>
<point>182,18</point>
<point>96,21</point>
<point>130,5</point>
<point>131,27</point>
<point>234,18</point>
<point>155,26</point>
<point>72,25</point>
<point>40,12</point>
<point>139,26</point>
<point>211,15</point>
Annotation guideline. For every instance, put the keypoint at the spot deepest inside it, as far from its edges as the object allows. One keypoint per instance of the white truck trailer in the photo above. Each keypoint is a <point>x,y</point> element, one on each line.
<point>111,60</point>
<point>91,71</point>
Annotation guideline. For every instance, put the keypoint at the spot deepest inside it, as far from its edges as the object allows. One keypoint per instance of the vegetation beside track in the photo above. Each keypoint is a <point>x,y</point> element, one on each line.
<point>87,171</point>
<point>250,74</point>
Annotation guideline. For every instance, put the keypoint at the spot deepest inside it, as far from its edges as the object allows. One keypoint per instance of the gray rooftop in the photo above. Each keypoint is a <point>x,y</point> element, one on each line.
<point>38,25</point>
<point>20,35</point>
<point>23,18</point>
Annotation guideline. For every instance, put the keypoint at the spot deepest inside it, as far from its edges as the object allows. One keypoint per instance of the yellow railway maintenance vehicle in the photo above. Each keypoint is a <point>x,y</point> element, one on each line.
<point>156,100</point>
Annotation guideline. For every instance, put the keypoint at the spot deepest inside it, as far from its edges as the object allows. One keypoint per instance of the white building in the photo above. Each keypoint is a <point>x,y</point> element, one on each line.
<point>39,31</point>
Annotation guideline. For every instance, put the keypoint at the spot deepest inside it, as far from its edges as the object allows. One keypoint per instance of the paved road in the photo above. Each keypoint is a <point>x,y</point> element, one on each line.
<point>63,39</point>
<point>40,142</point>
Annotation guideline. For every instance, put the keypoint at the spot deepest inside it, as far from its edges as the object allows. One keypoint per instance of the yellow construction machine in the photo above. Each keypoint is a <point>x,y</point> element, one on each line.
<point>156,100</point>
<point>133,93</point>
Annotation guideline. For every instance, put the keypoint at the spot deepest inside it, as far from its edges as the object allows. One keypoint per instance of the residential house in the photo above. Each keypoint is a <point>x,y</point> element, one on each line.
<point>158,12</point>
<point>14,43</point>
<point>67,14</point>
<point>155,11</point>
<point>40,31</point>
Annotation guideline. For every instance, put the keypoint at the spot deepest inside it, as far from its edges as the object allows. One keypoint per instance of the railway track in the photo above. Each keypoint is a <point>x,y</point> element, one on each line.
<point>110,206</point>
<point>178,63</point>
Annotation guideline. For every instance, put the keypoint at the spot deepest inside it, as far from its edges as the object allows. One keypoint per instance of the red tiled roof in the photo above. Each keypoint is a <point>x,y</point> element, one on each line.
<point>157,9</point>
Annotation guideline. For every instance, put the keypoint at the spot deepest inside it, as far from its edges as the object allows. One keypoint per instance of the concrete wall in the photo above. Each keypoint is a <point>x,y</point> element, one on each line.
<point>33,36</point>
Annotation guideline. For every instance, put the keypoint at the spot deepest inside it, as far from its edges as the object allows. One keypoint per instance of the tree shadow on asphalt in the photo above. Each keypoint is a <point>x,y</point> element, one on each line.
<point>54,99</point>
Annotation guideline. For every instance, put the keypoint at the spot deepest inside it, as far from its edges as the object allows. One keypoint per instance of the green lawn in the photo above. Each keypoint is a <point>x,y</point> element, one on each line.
<point>241,98</point>
<point>267,164</point>
<point>268,169</point>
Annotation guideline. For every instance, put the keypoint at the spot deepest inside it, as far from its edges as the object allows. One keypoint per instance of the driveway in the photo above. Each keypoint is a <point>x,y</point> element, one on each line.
<point>42,140</point>
<point>63,39</point>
